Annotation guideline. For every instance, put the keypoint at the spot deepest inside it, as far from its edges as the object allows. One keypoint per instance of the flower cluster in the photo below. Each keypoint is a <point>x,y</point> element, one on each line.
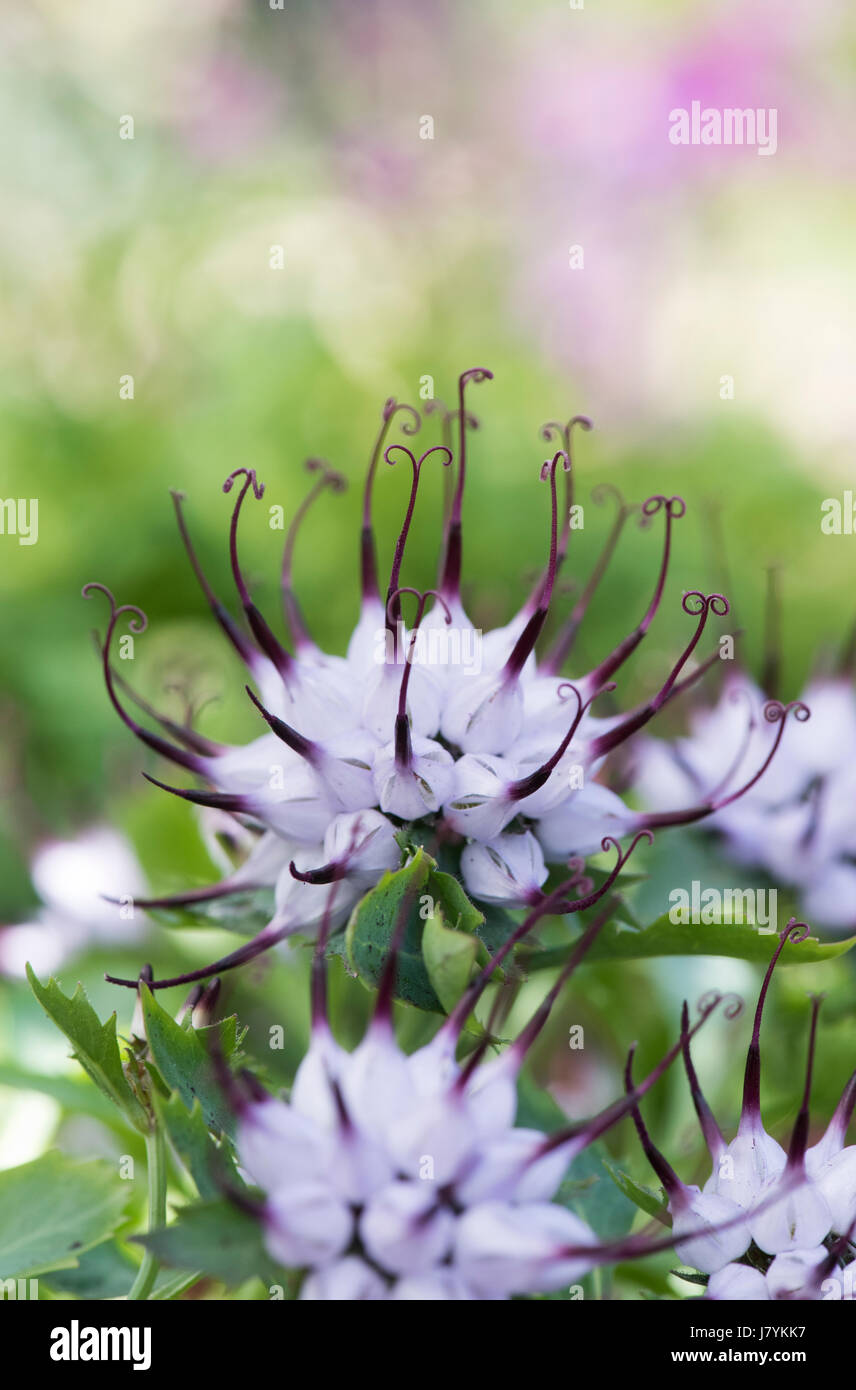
<point>501,757</point>
<point>779,1223</point>
<point>404,1177</point>
<point>797,824</point>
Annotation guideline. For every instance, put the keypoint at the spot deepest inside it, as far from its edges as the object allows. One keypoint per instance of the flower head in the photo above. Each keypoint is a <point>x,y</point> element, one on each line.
<point>787,1211</point>
<point>400,1177</point>
<point>501,758</point>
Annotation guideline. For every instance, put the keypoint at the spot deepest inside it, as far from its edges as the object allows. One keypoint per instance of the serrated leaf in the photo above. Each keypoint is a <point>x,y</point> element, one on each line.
<point>95,1045</point>
<point>208,1163</point>
<point>217,1239</point>
<point>643,1197</point>
<point>371,927</point>
<point>618,941</point>
<point>54,1209</point>
<point>185,1063</point>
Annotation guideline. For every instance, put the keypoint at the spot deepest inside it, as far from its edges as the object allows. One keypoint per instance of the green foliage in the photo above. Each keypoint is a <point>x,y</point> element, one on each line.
<point>216,1239</point>
<point>209,1164</point>
<point>94,1043</point>
<point>184,1062</point>
<point>55,1209</point>
<point>619,941</point>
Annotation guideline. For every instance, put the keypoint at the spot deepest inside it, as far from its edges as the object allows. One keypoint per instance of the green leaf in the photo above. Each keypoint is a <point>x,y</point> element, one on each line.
<point>54,1209</point>
<point>691,1276</point>
<point>496,928</point>
<point>588,1191</point>
<point>167,1289</point>
<point>219,1240</point>
<point>449,958</point>
<point>184,1062</point>
<point>536,1108</point>
<point>95,1045</point>
<point>106,1271</point>
<point>458,912</point>
<point>644,1197</point>
<point>618,941</point>
<point>207,1162</point>
<point>372,924</point>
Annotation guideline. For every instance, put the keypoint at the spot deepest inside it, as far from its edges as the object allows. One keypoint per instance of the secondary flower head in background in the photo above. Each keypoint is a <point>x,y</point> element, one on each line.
<point>71,877</point>
<point>789,1214</point>
<point>797,822</point>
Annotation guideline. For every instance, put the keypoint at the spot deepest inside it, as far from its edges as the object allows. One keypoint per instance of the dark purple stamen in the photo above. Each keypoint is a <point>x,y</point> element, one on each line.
<point>432,407</point>
<point>525,643</point>
<point>182,733</point>
<point>675,508</point>
<point>751,1111</point>
<point>330,872</point>
<point>403,741</point>
<point>398,556</point>
<point>450,582</point>
<point>368,562</point>
<point>526,786</point>
<point>241,644</point>
<point>262,942</point>
<point>565,434</point>
<point>713,1135</point>
<point>269,936</point>
<point>137,623</point>
<point>637,1247</point>
<point>304,747</point>
<point>211,893</point>
<point>773,713</point>
<point>799,1136</point>
<point>527,1036</point>
<point>236,802</point>
<point>664,1170</point>
<point>589,1130</point>
<point>554,902</point>
<point>843,1112</point>
<point>707,603</point>
<point>258,626</point>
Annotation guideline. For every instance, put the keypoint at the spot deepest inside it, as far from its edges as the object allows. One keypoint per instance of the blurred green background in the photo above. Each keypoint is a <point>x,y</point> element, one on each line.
<point>402,257</point>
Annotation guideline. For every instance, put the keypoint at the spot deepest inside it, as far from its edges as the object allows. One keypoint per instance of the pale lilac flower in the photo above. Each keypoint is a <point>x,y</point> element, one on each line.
<point>787,1206</point>
<point>75,880</point>
<point>505,763</point>
<point>400,1177</point>
<point>796,823</point>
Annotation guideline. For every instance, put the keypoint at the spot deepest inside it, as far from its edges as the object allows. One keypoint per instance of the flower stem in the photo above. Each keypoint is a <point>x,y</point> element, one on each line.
<point>156,1166</point>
